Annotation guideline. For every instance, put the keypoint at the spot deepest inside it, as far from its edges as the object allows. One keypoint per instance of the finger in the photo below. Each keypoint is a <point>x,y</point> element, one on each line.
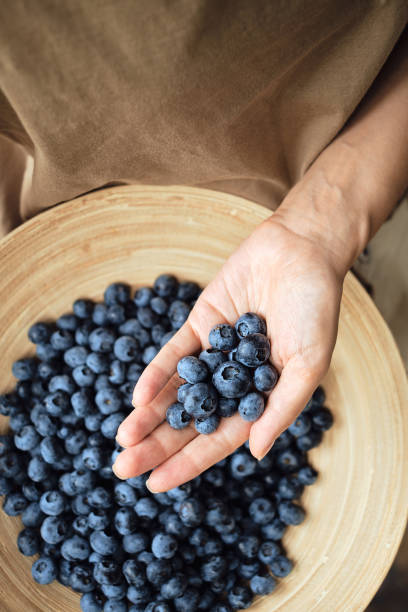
<point>153,450</point>
<point>201,453</point>
<point>163,366</point>
<point>294,389</point>
<point>144,419</point>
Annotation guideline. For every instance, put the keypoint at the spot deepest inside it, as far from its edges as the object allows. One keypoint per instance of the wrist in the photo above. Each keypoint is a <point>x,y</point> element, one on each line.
<point>329,206</point>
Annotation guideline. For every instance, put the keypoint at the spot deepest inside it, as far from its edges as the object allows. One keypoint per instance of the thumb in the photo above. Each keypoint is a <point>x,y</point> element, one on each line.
<point>295,387</point>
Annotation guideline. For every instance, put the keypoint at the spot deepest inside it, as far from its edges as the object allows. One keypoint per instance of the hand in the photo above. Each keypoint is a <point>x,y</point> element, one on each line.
<point>294,282</point>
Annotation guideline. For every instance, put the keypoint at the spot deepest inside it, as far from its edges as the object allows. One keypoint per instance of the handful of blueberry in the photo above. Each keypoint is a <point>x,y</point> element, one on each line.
<point>231,376</point>
<point>210,544</point>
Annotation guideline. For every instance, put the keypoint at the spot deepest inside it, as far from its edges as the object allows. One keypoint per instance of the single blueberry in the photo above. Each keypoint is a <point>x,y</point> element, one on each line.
<point>28,542</point>
<point>83,308</point>
<point>242,465</point>
<point>91,602</point>
<point>281,566</point>
<point>165,285</point>
<point>126,348</point>
<point>67,321</point>
<point>101,340</point>
<point>27,438</point>
<point>149,353</point>
<point>178,313</point>
<point>40,333</point>
<point>75,356</point>
<point>52,503</point>
<point>192,369</point>
<point>265,377</point>
<point>44,570</point>
<point>250,323</point>
<point>307,475</point>
<point>268,551</point>
<point>110,425</point>
<point>322,418</point>
<point>164,546</point>
<point>232,379</point>
<point>143,296</point>
<point>213,358</point>
<point>290,513</point>
<point>251,406</point>
<point>200,400</point>
<point>62,339</point>
<point>300,426</point>
<point>262,585</point>
<point>25,369</point>
<point>253,350</point>
<point>207,425</point>
<point>116,293</point>
<point>223,337</point>
<point>135,543</point>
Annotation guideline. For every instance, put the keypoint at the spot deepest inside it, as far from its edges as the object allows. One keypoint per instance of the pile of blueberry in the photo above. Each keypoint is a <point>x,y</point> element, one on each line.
<point>210,544</point>
<point>231,376</point>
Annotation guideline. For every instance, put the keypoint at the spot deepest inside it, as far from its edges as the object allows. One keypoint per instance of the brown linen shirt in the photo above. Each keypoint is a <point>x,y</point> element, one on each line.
<point>235,95</point>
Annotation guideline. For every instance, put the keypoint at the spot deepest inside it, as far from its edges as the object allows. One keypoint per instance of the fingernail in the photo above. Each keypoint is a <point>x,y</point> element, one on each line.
<point>149,487</point>
<point>116,472</point>
<point>262,455</point>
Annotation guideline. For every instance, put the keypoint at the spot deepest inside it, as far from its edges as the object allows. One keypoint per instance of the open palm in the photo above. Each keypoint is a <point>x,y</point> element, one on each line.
<point>290,281</point>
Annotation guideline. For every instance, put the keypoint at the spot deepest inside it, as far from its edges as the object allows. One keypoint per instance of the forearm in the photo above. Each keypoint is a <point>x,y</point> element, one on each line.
<point>354,184</point>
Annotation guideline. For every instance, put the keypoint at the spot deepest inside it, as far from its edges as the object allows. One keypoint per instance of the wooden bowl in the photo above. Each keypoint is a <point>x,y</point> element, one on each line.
<point>356,512</point>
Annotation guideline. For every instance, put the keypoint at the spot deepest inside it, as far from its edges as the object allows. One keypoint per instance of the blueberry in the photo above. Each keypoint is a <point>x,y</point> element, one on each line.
<point>134,543</point>
<point>98,519</point>
<point>107,572</point>
<point>149,354</point>
<point>39,333</point>
<point>147,317</point>
<point>100,314</point>
<point>6,485</point>
<point>262,585</point>
<point>134,372</point>
<point>251,406</point>
<point>115,592</point>
<point>232,379</point>
<point>322,419</point>
<point>116,314</point>
<point>240,597</point>
<point>54,529</point>
<point>181,392</point>
<point>191,512</point>
<point>126,348</point>
<point>27,438</point>
<point>81,526</point>
<point>158,305</point>
<point>79,504</point>
<point>188,601</point>
<point>98,363</point>
<point>146,508</point>
<point>117,372</point>
<point>143,296</point>
<point>44,570</point>
<point>99,498</point>
<point>108,400</point>
<point>268,551</point>
<point>28,542</point>
<point>262,511</point>
<point>25,369</point>
<point>57,403</point>
<point>101,340</point>
<point>307,475</point>
<point>265,377</point>
<point>103,543</point>
<point>319,396</point>
<point>178,313</point>
<point>157,332</point>
<point>52,503</point>
<point>93,458</point>
<point>62,339</point>
<point>9,403</point>
<point>174,586</point>
<point>290,513</point>
<point>290,487</point>
<point>91,602</point>
<point>75,356</point>
<point>46,352</point>
<point>82,481</point>
<point>165,285</point>
<point>188,291</point>
<point>223,337</point>
<point>309,440</point>
<point>83,309</point>
<point>141,594</point>
<point>207,425</point>
<point>253,350</point>
<point>213,358</point>
<point>242,465</point>
<point>38,470</point>
<point>289,460</point>
<point>61,382</point>
<point>112,605</point>
<point>116,293</point>
<point>248,568</point>
<point>300,426</point>
<point>281,566</point>
<point>67,321</point>
<point>192,369</point>
<point>248,546</point>
<point>164,546</point>
<point>81,403</point>
<point>274,530</point>
<point>125,521</point>
<point>213,567</point>
<point>250,323</point>
<point>200,400</point>
<point>18,421</point>
<point>283,441</point>
<point>110,425</point>
<point>75,549</point>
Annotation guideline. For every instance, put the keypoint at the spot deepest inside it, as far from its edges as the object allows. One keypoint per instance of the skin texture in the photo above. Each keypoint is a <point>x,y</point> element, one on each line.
<point>290,271</point>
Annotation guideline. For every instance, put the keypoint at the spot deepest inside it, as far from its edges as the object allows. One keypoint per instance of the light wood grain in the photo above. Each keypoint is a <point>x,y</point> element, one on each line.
<point>356,512</point>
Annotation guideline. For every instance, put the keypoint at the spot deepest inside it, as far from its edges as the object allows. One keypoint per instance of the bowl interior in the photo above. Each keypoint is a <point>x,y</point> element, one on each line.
<point>355,512</point>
